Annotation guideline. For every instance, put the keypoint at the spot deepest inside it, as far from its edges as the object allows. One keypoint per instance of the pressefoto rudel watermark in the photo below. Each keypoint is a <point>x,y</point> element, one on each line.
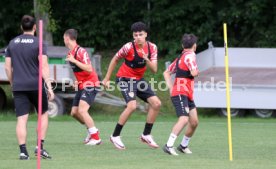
<point>181,84</point>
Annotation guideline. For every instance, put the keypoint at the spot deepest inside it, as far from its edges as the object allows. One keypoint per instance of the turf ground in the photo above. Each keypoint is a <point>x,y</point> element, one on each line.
<point>254,146</point>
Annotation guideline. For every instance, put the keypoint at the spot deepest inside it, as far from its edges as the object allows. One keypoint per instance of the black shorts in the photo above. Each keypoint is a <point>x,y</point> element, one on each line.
<point>130,88</point>
<point>88,95</point>
<point>24,99</point>
<point>182,105</point>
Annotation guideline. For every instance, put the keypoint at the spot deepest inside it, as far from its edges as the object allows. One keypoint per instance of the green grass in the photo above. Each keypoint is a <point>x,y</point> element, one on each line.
<point>253,145</point>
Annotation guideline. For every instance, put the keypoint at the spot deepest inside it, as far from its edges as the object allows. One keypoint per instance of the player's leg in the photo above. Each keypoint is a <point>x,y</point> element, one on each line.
<point>131,107</point>
<point>21,128</point>
<point>154,108</point>
<point>193,123</point>
<point>74,111</point>
<point>76,115</point>
<point>22,107</point>
<point>86,99</point>
<point>44,127</point>
<point>177,128</point>
<point>145,93</point>
<point>180,103</point>
<point>191,127</point>
<point>128,91</point>
<point>44,120</point>
<point>44,116</point>
<point>21,133</point>
<point>115,137</point>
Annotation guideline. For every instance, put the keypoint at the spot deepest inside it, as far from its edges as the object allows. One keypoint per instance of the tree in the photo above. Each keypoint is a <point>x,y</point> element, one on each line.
<point>42,10</point>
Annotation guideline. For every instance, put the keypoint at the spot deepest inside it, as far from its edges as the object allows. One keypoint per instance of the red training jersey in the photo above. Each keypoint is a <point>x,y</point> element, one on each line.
<point>127,52</point>
<point>184,86</point>
<point>84,78</point>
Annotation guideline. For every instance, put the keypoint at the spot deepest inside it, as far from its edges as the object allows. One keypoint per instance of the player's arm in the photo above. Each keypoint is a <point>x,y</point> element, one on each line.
<point>167,77</point>
<point>113,63</point>
<point>152,65</point>
<point>191,63</point>
<point>195,72</point>
<point>122,53</point>
<point>8,68</point>
<point>168,72</point>
<point>46,76</point>
<point>85,65</point>
<point>152,62</point>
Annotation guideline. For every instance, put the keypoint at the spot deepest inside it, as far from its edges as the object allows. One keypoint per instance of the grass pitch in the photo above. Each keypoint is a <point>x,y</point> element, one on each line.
<point>254,146</point>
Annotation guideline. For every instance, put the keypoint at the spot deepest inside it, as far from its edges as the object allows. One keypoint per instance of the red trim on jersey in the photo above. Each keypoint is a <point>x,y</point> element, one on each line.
<point>84,78</point>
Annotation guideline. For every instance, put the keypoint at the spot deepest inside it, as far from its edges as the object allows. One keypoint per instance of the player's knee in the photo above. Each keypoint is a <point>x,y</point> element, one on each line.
<point>194,124</point>
<point>156,105</point>
<point>82,111</point>
<point>73,113</point>
<point>132,106</point>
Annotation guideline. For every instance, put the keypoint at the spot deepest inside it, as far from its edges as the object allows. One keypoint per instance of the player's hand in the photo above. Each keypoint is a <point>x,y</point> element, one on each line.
<point>51,95</point>
<point>106,83</point>
<point>145,56</point>
<point>70,58</point>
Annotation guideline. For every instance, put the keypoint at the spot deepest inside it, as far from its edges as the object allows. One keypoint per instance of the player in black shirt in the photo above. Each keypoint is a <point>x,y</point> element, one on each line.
<point>22,69</point>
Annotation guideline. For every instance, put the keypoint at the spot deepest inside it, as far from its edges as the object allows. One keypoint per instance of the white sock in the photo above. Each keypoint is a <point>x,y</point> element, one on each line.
<point>185,141</point>
<point>92,130</point>
<point>171,140</point>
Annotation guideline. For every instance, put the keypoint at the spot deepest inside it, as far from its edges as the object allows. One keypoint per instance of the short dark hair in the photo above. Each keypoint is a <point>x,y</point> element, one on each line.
<point>138,27</point>
<point>72,33</point>
<point>188,40</point>
<point>27,23</point>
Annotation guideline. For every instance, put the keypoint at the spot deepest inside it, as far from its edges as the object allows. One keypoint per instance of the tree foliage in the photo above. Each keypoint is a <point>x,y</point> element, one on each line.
<point>10,16</point>
<point>105,24</point>
<point>43,11</point>
<point>42,8</point>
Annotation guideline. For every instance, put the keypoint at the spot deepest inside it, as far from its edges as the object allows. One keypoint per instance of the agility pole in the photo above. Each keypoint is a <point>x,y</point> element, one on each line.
<point>39,94</point>
<point>228,93</point>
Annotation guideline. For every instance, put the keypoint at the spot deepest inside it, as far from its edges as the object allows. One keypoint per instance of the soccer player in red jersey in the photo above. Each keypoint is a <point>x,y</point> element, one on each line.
<point>88,83</point>
<point>138,55</point>
<point>185,69</point>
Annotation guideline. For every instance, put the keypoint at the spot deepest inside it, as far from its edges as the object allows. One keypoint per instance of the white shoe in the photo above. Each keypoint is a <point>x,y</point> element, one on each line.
<point>149,140</point>
<point>117,142</point>
<point>169,150</point>
<point>94,142</point>
<point>184,150</point>
<point>86,140</point>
